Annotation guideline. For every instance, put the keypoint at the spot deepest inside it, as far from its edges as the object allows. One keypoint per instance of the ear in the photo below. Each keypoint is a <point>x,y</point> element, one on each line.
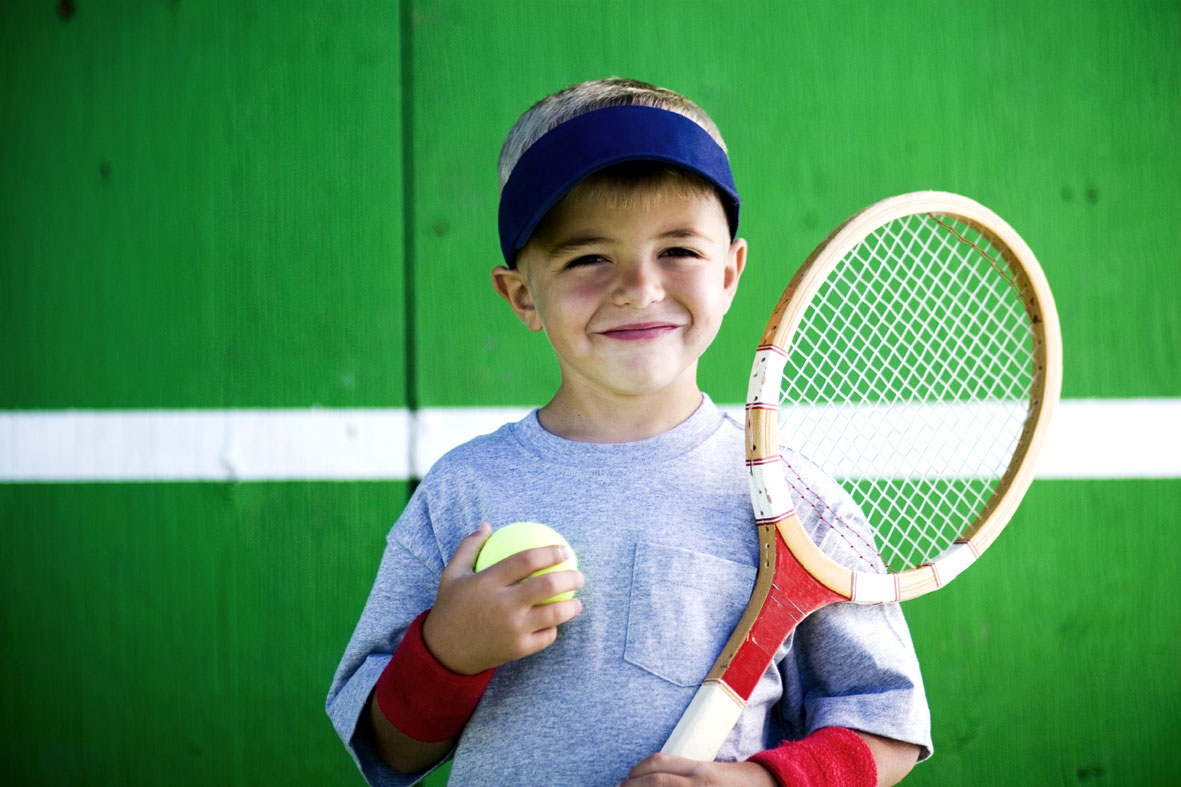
<point>735,264</point>
<point>511,284</point>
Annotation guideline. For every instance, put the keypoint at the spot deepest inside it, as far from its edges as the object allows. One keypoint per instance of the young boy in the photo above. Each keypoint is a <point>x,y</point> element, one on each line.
<point>618,224</point>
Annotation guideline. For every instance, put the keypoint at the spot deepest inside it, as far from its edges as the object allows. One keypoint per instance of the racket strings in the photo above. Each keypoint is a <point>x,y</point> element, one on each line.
<point>856,541</point>
<point>909,379</point>
<point>1000,269</point>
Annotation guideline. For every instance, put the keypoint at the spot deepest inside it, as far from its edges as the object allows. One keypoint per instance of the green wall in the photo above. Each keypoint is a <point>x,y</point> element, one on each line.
<point>205,205</point>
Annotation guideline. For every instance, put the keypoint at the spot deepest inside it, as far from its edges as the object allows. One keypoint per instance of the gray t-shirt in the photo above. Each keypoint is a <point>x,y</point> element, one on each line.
<point>665,535</point>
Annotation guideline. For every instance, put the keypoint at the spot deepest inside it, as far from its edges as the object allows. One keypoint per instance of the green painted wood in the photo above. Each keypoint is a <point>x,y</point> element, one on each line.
<point>1058,117</point>
<point>181,633</point>
<point>1053,661</point>
<point>185,634</point>
<point>202,205</point>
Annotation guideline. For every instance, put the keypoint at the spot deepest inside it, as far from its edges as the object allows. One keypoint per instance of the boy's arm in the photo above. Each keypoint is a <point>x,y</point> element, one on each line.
<point>832,757</point>
<point>436,676</point>
<point>417,708</point>
<point>399,751</point>
<point>894,759</point>
<point>669,770</point>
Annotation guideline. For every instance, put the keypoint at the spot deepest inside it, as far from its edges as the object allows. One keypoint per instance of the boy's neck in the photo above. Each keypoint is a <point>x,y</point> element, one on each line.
<point>618,420</point>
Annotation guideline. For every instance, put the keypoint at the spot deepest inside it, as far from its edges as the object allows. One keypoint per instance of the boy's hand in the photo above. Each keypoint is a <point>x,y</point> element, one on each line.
<point>669,770</point>
<point>480,621</point>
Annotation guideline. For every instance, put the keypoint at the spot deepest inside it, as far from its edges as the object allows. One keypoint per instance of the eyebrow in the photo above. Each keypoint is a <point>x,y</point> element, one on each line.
<point>684,232</point>
<point>570,244</point>
<point>580,241</point>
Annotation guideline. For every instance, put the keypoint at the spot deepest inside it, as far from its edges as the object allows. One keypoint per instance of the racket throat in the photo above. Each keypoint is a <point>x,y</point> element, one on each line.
<point>791,595</point>
<point>788,596</point>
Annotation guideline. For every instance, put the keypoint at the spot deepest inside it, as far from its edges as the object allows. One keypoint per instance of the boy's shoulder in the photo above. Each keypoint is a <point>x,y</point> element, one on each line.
<point>490,438</point>
<point>521,438</point>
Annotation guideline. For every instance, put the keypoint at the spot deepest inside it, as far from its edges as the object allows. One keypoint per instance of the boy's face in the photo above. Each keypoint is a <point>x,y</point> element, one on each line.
<point>630,292</point>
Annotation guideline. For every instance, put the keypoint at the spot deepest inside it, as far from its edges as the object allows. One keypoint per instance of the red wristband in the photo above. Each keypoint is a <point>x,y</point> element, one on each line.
<point>423,699</point>
<point>829,757</point>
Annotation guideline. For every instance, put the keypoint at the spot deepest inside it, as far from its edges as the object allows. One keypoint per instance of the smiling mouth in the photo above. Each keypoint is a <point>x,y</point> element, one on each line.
<point>639,331</point>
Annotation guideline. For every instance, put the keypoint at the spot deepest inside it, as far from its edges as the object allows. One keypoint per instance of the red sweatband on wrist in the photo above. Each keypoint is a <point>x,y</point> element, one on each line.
<point>423,699</point>
<point>829,757</point>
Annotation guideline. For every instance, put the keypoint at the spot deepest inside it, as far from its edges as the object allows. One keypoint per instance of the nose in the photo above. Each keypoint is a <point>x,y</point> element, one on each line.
<point>637,284</point>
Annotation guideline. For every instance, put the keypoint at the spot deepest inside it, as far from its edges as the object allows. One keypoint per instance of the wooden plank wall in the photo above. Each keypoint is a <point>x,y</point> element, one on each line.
<point>220,204</point>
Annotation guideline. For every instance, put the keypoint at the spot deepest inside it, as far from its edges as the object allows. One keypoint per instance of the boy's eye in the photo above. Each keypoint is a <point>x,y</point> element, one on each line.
<point>680,251</point>
<point>584,260</point>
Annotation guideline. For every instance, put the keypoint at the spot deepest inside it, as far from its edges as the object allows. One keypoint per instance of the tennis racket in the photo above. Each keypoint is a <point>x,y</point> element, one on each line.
<point>915,358</point>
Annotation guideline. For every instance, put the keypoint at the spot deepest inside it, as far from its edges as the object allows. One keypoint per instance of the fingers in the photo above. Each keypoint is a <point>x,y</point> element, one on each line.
<point>669,770</point>
<point>529,561</point>
<point>463,561</point>
<point>483,619</point>
<point>553,614</point>
<point>537,628</point>
<point>538,575</point>
<point>549,587</point>
<point>664,764</point>
<point>539,624</point>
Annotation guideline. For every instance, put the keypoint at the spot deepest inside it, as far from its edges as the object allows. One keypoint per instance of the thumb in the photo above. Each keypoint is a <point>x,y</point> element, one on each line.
<point>464,559</point>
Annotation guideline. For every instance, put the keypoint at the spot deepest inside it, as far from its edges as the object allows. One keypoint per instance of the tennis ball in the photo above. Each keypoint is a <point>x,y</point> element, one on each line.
<point>519,536</point>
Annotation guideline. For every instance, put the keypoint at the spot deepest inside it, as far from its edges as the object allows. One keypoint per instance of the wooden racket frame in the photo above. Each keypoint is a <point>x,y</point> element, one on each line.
<point>724,693</point>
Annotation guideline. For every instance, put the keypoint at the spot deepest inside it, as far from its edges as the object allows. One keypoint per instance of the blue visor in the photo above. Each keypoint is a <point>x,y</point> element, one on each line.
<point>599,139</point>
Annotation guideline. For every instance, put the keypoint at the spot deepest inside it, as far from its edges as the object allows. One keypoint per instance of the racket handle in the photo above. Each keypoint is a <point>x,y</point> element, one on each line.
<point>706,723</point>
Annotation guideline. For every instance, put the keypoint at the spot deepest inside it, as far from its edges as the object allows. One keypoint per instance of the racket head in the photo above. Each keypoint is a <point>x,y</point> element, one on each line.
<point>916,358</point>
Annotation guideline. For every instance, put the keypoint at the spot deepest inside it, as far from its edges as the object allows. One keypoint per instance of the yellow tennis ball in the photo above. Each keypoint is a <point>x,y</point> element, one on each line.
<point>519,536</point>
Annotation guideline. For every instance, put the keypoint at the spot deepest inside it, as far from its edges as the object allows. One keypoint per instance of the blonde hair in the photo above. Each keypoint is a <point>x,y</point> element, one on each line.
<point>635,186</point>
<point>585,97</point>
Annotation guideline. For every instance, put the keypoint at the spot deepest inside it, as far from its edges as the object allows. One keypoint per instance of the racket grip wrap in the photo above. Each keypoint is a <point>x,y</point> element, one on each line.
<point>829,757</point>
<point>423,699</point>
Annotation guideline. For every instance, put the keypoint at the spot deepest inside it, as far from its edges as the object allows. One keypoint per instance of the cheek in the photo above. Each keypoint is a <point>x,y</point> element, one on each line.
<point>579,296</point>
<point>566,309</point>
<point>709,305</point>
<point>710,299</point>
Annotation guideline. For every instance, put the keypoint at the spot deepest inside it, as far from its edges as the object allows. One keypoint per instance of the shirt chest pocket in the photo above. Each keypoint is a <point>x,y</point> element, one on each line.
<point>681,610</point>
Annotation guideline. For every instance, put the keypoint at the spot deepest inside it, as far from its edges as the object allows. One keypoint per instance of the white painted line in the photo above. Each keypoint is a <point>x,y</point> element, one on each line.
<point>1114,438</point>
<point>438,430</point>
<point>1091,439</point>
<point>204,445</point>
